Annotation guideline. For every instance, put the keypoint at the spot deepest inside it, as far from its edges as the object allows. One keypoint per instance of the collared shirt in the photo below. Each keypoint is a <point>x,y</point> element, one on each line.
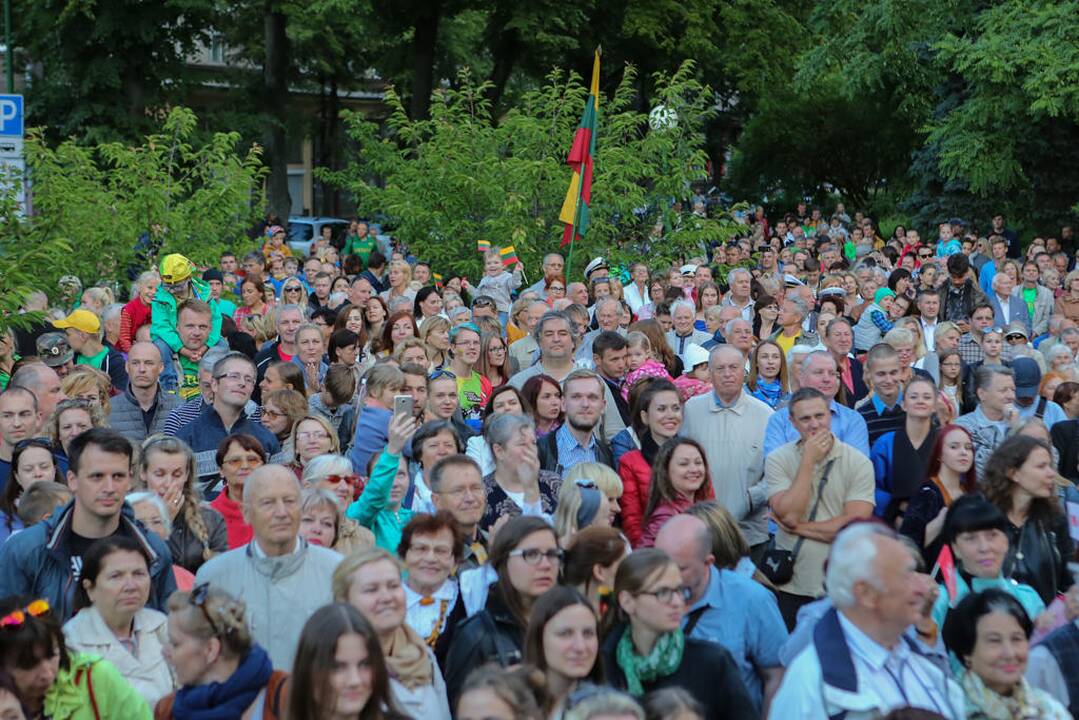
<point>881,419</point>
<point>898,677</point>
<point>570,451</point>
<point>928,330</point>
<point>847,425</point>
<point>427,617</point>
<point>970,351</point>
<point>850,479</point>
<point>747,309</point>
<point>257,551</point>
<point>1005,307</point>
<point>743,617</point>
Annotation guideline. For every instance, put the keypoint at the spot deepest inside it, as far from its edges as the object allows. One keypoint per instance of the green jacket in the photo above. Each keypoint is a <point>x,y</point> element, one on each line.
<point>163,317</point>
<point>371,509</point>
<point>91,682</point>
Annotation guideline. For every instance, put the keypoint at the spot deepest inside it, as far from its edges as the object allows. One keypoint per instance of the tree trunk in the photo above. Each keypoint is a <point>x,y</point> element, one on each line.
<point>424,39</point>
<point>506,44</point>
<point>331,108</point>
<point>275,110</point>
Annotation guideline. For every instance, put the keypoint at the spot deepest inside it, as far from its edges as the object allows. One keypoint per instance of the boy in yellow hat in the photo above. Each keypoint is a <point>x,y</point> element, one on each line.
<point>177,285</point>
<point>83,330</point>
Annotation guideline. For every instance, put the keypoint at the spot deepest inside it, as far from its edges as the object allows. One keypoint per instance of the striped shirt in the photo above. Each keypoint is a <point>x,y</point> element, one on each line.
<point>879,418</point>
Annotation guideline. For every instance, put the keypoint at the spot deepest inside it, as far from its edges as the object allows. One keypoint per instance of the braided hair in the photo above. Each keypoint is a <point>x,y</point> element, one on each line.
<point>192,499</point>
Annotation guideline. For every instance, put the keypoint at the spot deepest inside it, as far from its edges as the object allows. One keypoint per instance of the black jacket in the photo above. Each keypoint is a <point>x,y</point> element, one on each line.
<point>548,453</point>
<point>265,357</point>
<point>1066,441</point>
<point>1038,555</point>
<point>491,635</point>
<point>707,672</point>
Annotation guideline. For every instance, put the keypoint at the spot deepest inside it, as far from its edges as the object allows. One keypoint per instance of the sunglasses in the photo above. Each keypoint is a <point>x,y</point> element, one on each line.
<point>441,373</point>
<point>16,618</point>
<point>198,598</point>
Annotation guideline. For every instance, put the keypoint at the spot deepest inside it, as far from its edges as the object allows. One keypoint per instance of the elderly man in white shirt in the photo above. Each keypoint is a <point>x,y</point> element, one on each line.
<point>859,664</point>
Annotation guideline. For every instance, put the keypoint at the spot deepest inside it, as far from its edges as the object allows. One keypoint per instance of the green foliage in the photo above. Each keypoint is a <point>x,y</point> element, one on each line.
<point>26,249</point>
<point>103,199</point>
<point>458,177</point>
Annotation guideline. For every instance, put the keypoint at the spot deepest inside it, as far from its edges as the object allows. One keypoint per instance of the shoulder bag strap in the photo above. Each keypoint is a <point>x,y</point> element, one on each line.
<point>692,619</point>
<point>90,689</point>
<point>816,506</point>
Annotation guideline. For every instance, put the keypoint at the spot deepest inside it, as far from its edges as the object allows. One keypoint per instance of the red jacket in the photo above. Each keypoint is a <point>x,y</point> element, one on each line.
<point>132,316</point>
<point>636,476</point>
<point>239,532</point>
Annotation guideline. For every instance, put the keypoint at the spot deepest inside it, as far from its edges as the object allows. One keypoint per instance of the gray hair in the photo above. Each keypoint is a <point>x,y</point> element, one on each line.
<point>608,301</point>
<point>501,427</point>
<point>210,359</point>
<point>730,325</point>
<point>799,303</point>
<point>1058,350</point>
<point>983,376</point>
<point>145,496</point>
<point>321,467</point>
<point>808,359</point>
<point>112,311</point>
<point>853,560</point>
<point>738,271</point>
<point>551,316</point>
<point>680,304</point>
<point>714,354</point>
<point>282,309</point>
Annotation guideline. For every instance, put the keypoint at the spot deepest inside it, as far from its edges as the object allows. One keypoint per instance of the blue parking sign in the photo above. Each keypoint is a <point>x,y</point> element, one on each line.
<point>11,115</point>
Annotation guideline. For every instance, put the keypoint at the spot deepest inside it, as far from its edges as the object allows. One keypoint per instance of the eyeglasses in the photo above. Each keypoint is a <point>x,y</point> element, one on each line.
<point>198,599</point>
<point>32,442</point>
<point>239,462</point>
<point>270,412</point>
<point>237,377</point>
<point>352,479</point>
<point>440,373</point>
<point>477,490</point>
<point>294,289</point>
<point>666,594</point>
<point>313,435</point>
<point>483,303</point>
<point>532,556</point>
<point>16,618</point>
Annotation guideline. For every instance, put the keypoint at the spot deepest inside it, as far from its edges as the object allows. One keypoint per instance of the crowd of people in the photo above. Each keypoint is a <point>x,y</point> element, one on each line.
<point>811,473</point>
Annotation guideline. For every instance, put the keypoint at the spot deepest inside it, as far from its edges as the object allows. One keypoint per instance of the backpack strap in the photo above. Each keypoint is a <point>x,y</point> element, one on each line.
<point>89,689</point>
<point>274,691</point>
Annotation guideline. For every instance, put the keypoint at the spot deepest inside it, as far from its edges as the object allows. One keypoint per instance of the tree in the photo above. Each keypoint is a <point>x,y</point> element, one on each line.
<point>458,177</point>
<point>98,67</point>
<point>120,207</point>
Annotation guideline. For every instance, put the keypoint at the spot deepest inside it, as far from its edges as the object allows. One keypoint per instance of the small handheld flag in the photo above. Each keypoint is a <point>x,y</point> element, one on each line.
<point>438,280</point>
<point>509,255</point>
<point>946,563</point>
<point>483,246</point>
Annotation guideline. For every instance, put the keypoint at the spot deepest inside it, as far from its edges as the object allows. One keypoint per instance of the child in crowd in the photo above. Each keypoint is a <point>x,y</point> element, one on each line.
<point>41,500</point>
<point>642,362</point>
<point>497,283</point>
<point>694,380</point>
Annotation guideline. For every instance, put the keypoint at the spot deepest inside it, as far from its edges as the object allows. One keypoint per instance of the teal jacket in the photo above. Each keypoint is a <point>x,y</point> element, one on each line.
<point>163,315</point>
<point>372,510</point>
<point>91,682</point>
<point>1026,595</point>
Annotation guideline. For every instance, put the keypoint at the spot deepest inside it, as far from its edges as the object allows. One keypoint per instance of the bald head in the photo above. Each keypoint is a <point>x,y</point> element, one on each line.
<point>44,383</point>
<point>143,366</point>
<point>721,353</point>
<point>684,534</point>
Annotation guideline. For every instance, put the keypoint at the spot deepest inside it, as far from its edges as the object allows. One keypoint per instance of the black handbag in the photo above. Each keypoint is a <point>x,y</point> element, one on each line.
<point>778,565</point>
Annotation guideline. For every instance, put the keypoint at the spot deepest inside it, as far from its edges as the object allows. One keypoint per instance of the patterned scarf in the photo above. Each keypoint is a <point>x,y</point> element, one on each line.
<point>1023,704</point>
<point>664,659</point>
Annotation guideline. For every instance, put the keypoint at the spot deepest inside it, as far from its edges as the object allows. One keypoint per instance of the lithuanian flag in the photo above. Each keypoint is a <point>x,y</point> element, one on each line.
<point>509,255</point>
<point>483,246</point>
<point>575,207</point>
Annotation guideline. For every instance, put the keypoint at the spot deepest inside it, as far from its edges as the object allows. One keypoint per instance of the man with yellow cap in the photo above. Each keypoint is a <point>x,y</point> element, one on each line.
<point>83,330</point>
<point>177,285</point>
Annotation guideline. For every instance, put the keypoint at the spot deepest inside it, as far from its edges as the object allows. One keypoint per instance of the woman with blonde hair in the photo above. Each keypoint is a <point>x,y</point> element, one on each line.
<point>70,418</point>
<point>333,474</point>
<point>399,275</point>
<point>312,435</point>
<point>90,384</point>
<point>604,478</point>
<point>370,581</point>
<point>435,333</point>
<point>167,469</point>
<point>729,545</point>
<point>412,351</point>
<point>580,505</point>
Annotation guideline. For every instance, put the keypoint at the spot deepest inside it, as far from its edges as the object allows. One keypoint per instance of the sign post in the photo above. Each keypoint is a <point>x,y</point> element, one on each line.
<point>12,127</point>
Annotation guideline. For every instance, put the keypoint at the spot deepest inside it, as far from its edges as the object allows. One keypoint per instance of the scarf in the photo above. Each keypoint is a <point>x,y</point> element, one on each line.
<point>664,659</point>
<point>649,447</point>
<point>1022,704</point>
<point>227,700</point>
<point>407,659</point>
<point>770,391</point>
